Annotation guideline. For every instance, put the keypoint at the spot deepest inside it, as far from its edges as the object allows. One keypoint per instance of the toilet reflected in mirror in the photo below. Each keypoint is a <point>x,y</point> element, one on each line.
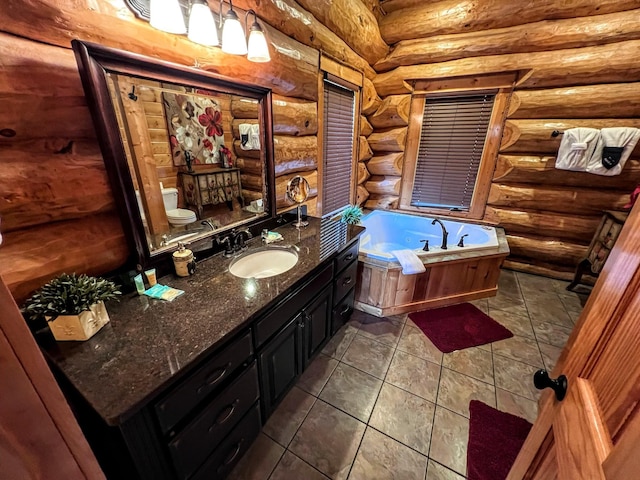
<point>298,192</point>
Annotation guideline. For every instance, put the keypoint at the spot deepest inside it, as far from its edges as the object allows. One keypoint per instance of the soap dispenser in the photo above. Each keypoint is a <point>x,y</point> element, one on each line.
<point>184,261</point>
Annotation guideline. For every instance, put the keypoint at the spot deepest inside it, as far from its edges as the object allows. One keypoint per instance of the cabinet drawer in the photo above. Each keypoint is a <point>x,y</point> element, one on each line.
<point>178,403</point>
<point>342,311</point>
<point>232,448</point>
<point>345,281</point>
<point>278,317</point>
<point>345,258</point>
<point>203,434</point>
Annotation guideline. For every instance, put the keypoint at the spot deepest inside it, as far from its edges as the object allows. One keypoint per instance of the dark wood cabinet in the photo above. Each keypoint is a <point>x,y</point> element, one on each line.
<point>316,325</point>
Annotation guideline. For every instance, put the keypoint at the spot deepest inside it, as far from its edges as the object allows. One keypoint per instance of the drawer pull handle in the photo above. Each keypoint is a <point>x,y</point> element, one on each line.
<point>225,414</point>
<point>346,309</point>
<point>348,257</point>
<point>213,377</point>
<point>346,281</point>
<point>231,456</point>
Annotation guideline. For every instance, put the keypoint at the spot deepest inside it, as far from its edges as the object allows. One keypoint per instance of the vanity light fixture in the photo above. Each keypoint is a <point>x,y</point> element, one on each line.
<point>233,39</point>
<point>166,15</point>
<point>258,50</point>
<point>202,27</point>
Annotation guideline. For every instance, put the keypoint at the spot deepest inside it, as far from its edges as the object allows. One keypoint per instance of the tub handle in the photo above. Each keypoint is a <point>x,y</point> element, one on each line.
<point>426,245</point>
<point>461,242</point>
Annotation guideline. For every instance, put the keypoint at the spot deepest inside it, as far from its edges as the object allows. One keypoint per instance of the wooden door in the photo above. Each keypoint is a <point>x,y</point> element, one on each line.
<point>594,433</point>
<point>39,437</point>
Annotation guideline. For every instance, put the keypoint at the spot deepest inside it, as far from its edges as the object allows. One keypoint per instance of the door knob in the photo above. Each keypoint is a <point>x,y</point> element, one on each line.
<point>541,381</point>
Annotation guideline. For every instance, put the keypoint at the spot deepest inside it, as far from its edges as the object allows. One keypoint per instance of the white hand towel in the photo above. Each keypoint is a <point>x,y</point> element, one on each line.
<point>245,136</point>
<point>254,137</point>
<point>576,148</point>
<point>613,150</point>
<point>410,262</point>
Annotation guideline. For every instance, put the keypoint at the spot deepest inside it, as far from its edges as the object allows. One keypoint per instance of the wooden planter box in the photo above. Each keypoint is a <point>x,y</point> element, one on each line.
<point>82,326</point>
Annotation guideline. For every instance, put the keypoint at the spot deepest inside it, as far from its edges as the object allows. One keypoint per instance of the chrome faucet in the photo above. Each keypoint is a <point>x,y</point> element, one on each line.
<point>445,234</point>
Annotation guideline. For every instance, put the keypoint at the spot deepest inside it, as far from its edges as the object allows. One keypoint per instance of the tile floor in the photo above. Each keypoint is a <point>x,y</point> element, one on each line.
<point>382,402</point>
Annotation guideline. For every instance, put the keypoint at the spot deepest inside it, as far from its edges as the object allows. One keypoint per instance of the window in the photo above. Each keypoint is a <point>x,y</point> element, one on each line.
<point>339,107</point>
<point>452,145</point>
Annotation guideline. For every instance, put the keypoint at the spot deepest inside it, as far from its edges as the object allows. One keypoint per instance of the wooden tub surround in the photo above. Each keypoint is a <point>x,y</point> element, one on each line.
<point>384,290</point>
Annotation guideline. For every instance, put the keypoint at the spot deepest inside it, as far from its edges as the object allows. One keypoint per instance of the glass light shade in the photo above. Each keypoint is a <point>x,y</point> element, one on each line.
<point>202,28</point>
<point>258,48</point>
<point>166,15</point>
<point>233,39</point>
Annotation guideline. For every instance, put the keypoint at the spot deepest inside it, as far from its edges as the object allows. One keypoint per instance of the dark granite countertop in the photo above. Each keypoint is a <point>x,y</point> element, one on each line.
<point>148,342</point>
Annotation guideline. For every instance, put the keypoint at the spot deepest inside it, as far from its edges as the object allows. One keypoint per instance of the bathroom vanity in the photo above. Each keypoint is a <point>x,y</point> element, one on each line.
<point>179,390</point>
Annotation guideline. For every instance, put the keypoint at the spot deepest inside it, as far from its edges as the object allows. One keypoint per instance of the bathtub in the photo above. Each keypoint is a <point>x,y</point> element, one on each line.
<point>452,275</point>
<point>388,231</point>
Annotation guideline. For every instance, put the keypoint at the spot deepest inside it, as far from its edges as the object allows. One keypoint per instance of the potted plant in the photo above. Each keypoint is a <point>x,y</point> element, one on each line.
<point>73,305</point>
<point>351,215</point>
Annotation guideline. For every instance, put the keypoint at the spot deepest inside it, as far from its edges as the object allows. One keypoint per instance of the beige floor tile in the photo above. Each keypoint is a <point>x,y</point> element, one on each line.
<point>352,391</point>
<point>549,309</point>
<point>259,461</point>
<point>508,303</point>
<point>369,356</point>
<point>381,330</point>
<point>404,416</point>
<point>550,333</point>
<point>291,467</point>
<point>415,342</point>
<point>550,355</point>
<point>286,419</point>
<point>475,362</point>
<point>515,377</point>
<point>573,302</point>
<point>435,471</point>
<point>519,348</point>
<point>517,405</point>
<point>508,282</point>
<point>529,282</point>
<point>449,441</point>
<point>482,304</point>
<point>457,390</point>
<point>340,342</point>
<point>317,374</point>
<point>517,324</point>
<point>414,374</point>
<point>328,440</point>
<point>382,458</point>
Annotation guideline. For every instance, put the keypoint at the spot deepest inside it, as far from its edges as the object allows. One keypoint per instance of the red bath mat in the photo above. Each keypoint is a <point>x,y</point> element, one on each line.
<point>459,326</point>
<point>495,439</point>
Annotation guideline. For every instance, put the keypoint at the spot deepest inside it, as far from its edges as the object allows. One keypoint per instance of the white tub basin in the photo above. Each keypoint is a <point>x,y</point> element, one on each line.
<point>263,263</point>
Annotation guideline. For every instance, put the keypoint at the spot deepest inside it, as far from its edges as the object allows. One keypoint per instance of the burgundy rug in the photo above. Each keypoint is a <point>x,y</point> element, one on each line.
<point>495,439</point>
<point>459,326</point>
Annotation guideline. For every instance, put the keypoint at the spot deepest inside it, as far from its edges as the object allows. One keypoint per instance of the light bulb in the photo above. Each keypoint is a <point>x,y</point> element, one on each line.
<point>202,28</point>
<point>166,15</point>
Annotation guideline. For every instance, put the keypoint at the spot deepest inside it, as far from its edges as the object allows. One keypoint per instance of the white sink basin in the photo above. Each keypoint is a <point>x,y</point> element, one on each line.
<point>263,263</point>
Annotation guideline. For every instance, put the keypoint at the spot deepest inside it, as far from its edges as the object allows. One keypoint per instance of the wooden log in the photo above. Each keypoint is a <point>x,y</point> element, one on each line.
<point>370,99</point>
<point>547,250</point>
<point>364,150</point>
<point>561,226</point>
<point>281,187</point>
<point>389,6</point>
<point>534,136</point>
<point>541,171</point>
<point>447,16</point>
<point>559,272</point>
<point>381,185</point>
<point>381,202</point>
<point>352,22</point>
<point>612,63</point>
<point>392,112</point>
<point>252,166</point>
<point>251,181</point>
<point>115,26</point>
<point>293,20</point>
<point>251,195</point>
<point>531,37</point>
<point>291,116</point>
<point>577,201</point>
<point>365,127</point>
<point>388,141</point>
<point>361,195</point>
<point>363,173</point>
<point>29,258</point>
<point>289,152</point>
<point>617,100</point>
<point>390,164</point>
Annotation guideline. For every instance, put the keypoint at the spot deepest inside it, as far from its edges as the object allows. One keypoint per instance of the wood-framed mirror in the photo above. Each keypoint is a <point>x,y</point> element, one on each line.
<point>189,153</point>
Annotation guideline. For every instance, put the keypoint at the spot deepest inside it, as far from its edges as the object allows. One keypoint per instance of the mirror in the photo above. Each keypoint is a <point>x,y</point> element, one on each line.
<point>298,192</point>
<point>189,153</point>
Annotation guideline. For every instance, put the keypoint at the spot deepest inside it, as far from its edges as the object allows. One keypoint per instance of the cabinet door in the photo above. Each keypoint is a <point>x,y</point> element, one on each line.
<point>280,364</point>
<point>317,323</point>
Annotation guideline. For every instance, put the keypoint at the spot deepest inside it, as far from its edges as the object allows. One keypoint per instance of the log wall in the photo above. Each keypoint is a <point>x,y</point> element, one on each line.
<point>582,69</point>
<point>57,209</point>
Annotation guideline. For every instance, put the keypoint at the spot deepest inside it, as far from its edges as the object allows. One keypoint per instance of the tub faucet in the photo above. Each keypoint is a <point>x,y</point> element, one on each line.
<point>445,234</point>
<point>461,242</point>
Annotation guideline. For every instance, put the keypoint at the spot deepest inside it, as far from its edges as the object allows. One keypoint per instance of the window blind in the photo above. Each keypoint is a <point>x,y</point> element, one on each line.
<point>453,133</point>
<point>339,105</point>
